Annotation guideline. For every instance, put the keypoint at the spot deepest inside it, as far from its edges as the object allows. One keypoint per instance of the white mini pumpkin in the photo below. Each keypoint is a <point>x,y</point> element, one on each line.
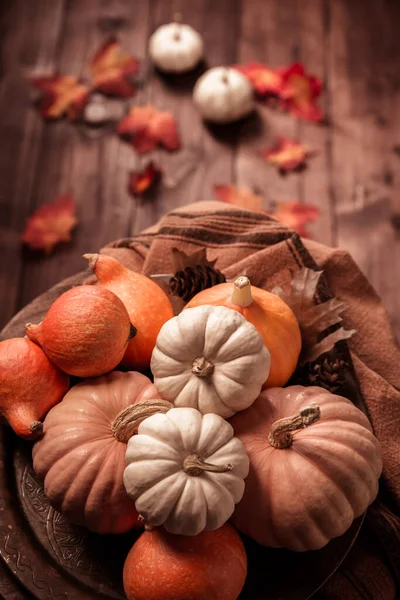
<point>185,471</point>
<point>223,95</point>
<point>176,47</point>
<point>210,358</point>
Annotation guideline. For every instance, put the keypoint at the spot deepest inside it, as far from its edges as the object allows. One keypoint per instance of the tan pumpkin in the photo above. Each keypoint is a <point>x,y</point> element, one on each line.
<point>81,456</point>
<point>314,467</point>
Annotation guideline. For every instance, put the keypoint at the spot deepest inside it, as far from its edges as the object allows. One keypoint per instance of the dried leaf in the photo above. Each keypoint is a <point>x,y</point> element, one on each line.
<point>265,81</point>
<point>242,197</point>
<point>182,260</point>
<point>112,70</point>
<point>314,319</point>
<point>288,155</point>
<point>146,127</point>
<point>61,95</point>
<point>141,181</point>
<point>299,92</point>
<point>295,215</point>
<point>50,224</point>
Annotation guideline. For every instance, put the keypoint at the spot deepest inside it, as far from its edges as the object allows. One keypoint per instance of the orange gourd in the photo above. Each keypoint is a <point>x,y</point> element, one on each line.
<point>208,566</point>
<point>85,332</point>
<point>147,305</point>
<point>314,467</point>
<point>29,386</point>
<point>81,456</point>
<point>270,315</point>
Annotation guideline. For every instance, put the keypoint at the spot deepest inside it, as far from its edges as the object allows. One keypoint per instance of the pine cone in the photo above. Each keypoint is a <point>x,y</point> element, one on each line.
<point>192,280</point>
<point>329,375</point>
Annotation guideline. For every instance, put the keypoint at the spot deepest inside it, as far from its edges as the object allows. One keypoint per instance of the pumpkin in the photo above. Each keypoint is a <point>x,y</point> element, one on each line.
<point>29,386</point>
<point>185,471</point>
<point>161,566</point>
<point>176,47</point>
<point>223,95</point>
<point>147,304</point>
<point>314,467</point>
<point>271,316</point>
<point>210,358</point>
<point>81,456</point>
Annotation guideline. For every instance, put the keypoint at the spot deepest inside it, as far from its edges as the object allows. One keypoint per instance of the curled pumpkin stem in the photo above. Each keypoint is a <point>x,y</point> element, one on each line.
<point>280,436</point>
<point>202,367</point>
<point>241,294</point>
<point>126,423</point>
<point>193,465</point>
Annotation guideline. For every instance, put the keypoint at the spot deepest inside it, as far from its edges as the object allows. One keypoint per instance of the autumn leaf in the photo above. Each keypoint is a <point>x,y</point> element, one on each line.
<point>242,197</point>
<point>288,155</point>
<point>141,181</point>
<point>112,70</point>
<point>50,224</point>
<point>299,92</point>
<point>265,81</point>
<point>61,95</point>
<point>295,215</point>
<point>314,319</point>
<point>147,127</point>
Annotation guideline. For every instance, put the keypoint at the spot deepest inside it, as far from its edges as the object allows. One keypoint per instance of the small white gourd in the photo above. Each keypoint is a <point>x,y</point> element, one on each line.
<point>176,47</point>
<point>223,95</point>
<point>210,358</point>
<point>185,471</point>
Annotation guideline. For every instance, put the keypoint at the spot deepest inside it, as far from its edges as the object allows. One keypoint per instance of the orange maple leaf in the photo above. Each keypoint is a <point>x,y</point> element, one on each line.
<point>141,181</point>
<point>300,91</point>
<point>265,81</point>
<point>243,197</point>
<point>61,95</point>
<point>50,224</point>
<point>112,70</point>
<point>288,155</point>
<point>147,127</point>
<point>295,215</point>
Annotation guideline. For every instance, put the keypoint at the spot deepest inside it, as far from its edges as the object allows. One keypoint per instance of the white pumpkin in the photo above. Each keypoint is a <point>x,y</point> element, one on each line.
<point>176,47</point>
<point>210,358</point>
<point>223,95</point>
<point>185,471</point>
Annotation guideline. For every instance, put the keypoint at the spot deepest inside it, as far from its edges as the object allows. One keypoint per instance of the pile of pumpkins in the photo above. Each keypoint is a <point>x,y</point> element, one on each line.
<point>215,437</point>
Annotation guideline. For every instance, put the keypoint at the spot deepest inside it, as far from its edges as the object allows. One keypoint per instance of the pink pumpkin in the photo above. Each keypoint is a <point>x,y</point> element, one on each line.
<point>314,467</point>
<point>81,456</point>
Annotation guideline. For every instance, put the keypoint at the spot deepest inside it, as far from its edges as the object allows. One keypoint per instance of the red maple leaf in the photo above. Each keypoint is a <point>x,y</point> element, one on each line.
<point>61,95</point>
<point>265,81</point>
<point>295,215</point>
<point>112,70</point>
<point>243,197</point>
<point>141,181</point>
<point>288,155</point>
<point>50,224</point>
<point>147,127</point>
<point>299,92</point>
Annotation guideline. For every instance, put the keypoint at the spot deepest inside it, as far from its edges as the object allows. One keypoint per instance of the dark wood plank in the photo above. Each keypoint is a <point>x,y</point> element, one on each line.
<point>364,84</point>
<point>30,33</point>
<point>93,168</point>
<point>205,158</point>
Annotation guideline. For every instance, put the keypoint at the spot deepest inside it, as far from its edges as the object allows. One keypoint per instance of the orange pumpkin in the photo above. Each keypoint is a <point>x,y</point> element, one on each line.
<point>314,467</point>
<point>208,566</point>
<point>81,456</point>
<point>270,315</point>
<point>147,305</point>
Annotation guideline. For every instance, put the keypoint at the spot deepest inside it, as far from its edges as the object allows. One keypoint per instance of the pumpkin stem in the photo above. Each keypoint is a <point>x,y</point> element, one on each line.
<point>193,465</point>
<point>280,436</point>
<point>241,295</point>
<point>128,420</point>
<point>202,367</point>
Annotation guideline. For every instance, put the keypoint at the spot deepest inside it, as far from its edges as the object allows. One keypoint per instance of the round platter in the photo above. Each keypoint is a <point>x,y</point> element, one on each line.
<point>55,560</point>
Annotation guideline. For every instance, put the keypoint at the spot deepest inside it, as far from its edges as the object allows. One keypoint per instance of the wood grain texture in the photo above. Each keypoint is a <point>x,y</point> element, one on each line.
<point>354,180</point>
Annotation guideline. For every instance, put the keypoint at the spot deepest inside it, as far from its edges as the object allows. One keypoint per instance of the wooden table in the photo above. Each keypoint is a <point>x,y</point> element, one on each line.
<point>353,45</point>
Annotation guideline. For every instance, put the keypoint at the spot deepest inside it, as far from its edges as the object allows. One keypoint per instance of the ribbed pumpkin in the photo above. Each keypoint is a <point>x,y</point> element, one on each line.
<point>81,456</point>
<point>314,467</point>
<point>270,315</point>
